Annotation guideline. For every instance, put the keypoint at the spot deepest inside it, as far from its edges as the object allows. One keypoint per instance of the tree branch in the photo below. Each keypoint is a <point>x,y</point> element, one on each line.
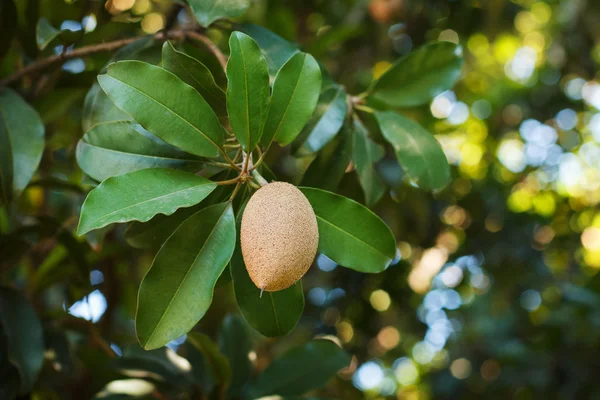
<point>110,46</point>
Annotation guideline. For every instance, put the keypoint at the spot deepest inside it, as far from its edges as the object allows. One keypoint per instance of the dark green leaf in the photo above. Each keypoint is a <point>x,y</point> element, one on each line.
<point>295,95</point>
<point>140,195</point>
<point>301,369</point>
<point>45,33</point>
<point>333,158</point>
<point>208,11</point>
<point>57,103</point>
<point>219,364</point>
<point>418,152</point>
<point>24,336</point>
<point>420,76</point>
<point>326,121</point>
<point>164,105</point>
<point>177,290</point>
<point>152,234</point>
<point>247,89</point>
<point>8,21</point>
<point>126,137</point>
<point>97,108</point>
<point>351,234</point>
<point>235,344</point>
<point>195,74</point>
<point>21,143</point>
<point>100,163</point>
<point>365,154</point>
<point>272,313</point>
<point>276,49</point>
<point>275,313</point>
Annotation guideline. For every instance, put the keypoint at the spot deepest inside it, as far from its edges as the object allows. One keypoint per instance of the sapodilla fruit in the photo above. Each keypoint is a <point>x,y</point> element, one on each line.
<point>279,236</point>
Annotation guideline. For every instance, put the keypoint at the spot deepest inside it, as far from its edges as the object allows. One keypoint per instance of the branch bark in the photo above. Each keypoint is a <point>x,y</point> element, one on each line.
<point>110,46</point>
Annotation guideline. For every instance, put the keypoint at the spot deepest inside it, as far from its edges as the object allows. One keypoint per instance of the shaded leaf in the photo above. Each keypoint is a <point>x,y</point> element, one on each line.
<point>126,137</point>
<point>272,314</point>
<point>21,143</point>
<point>152,234</point>
<point>140,195</point>
<point>56,103</point>
<point>417,78</point>
<point>333,158</point>
<point>98,108</point>
<point>247,89</point>
<point>235,344</point>
<point>276,49</point>
<point>295,95</point>
<point>365,154</point>
<point>301,369</point>
<point>351,234</point>
<point>208,11</point>
<point>195,74</point>
<point>177,290</point>
<point>45,33</point>
<point>100,163</point>
<point>172,110</point>
<point>24,336</point>
<point>8,21</point>
<point>418,152</point>
<point>326,121</point>
<point>219,364</point>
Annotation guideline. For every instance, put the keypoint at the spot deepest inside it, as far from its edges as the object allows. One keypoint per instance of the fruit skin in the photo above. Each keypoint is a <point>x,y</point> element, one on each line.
<point>279,236</point>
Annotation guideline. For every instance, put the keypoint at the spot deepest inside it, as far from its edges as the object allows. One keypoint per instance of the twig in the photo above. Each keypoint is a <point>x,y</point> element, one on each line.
<point>110,46</point>
<point>229,181</point>
<point>211,46</point>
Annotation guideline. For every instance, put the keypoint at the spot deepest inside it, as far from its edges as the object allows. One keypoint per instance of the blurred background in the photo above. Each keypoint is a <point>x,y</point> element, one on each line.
<point>493,292</point>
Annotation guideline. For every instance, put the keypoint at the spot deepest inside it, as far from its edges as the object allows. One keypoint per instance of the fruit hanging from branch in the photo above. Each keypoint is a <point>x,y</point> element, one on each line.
<point>279,236</point>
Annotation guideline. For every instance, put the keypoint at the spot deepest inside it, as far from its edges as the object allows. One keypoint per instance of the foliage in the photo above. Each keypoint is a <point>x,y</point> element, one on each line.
<point>448,150</point>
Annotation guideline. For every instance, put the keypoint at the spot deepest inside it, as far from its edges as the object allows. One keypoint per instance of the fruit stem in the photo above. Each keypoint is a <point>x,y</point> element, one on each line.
<point>259,178</point>
<point>229,181</point>
<point>237,187</point>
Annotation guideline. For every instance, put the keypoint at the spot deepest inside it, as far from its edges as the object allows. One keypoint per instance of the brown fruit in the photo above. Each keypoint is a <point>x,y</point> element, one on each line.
<point>279,236</point>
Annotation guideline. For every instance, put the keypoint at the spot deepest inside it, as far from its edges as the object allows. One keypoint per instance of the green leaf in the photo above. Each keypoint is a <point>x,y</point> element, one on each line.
<point>247,90</point>
<point>420,76</point>
<point>152,234</point>
<point>140,195</point>
<point>275,313</point>
<point>276,49</point>
<point>272,313</point>
<point>351,234</point>
<point>300,370</point>
<point>21,143</point>
<point>235,344</point>
<point>45,33</point>
<point>8,21</point>
<point>333,158</point>
<point>57,103</point>
<point>208,11</point>
<point>365,154</point>
<point>98,108</point>
<point>177,290</point>
<point>24,336</point>
<point>418,152</point>
<point>219,364</point>
<point>326,121</point>
<point>126,137</point>
<point>295,95</point>
<point>195,74</point>
<point>164,105</point>
<point>101,164</point>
